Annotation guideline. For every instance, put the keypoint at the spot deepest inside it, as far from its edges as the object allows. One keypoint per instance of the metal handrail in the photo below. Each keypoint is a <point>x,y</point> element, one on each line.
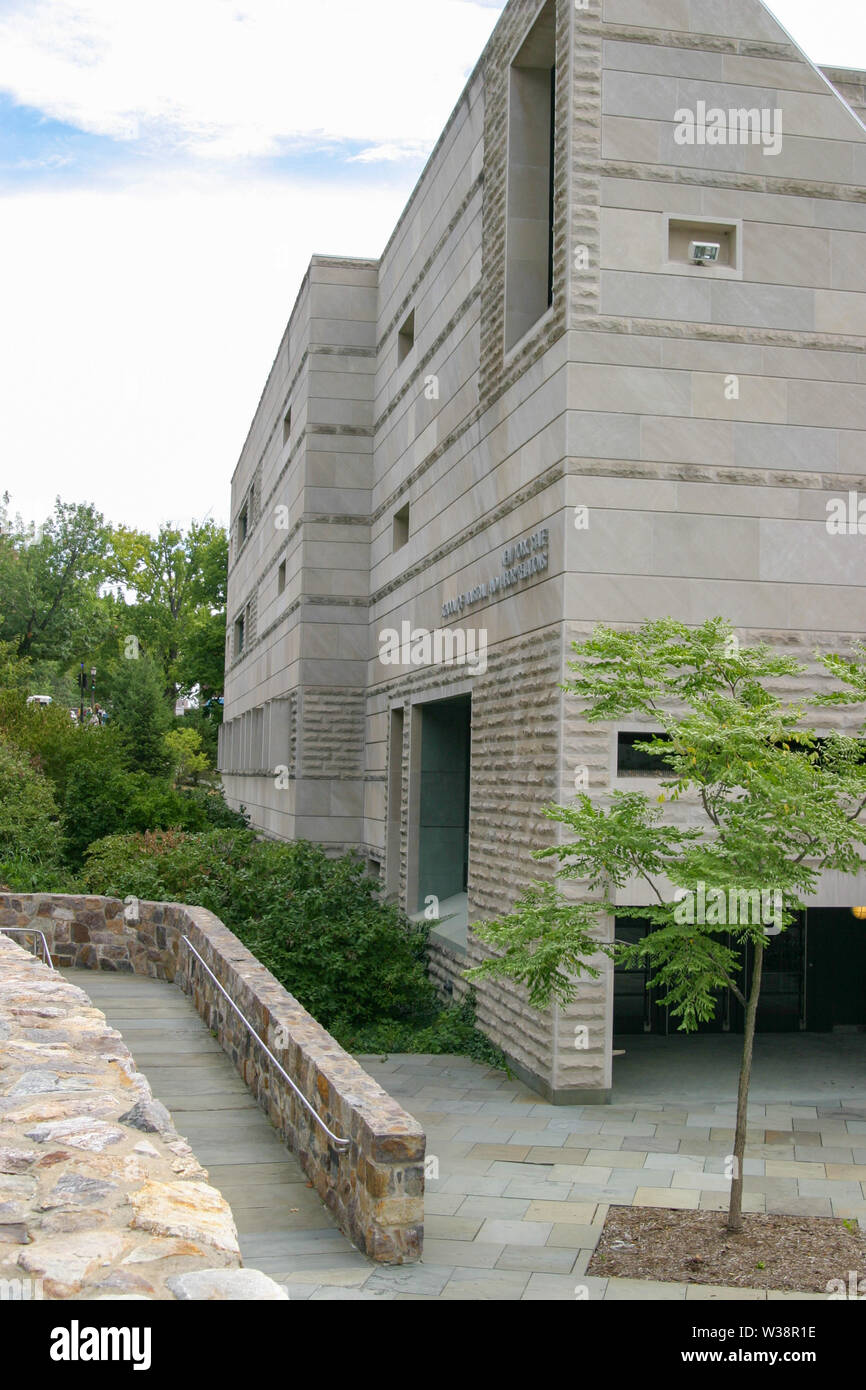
<point>341,1144</point>
<point>33,931</point>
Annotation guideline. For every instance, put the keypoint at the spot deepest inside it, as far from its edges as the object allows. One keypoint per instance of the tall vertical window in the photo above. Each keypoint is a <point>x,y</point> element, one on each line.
<point>530,194</point>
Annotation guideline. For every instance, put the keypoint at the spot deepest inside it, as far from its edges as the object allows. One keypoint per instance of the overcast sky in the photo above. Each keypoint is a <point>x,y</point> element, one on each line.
<point>167,168</point>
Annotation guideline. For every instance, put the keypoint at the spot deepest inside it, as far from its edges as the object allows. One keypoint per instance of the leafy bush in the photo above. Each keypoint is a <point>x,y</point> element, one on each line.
<point>20,874</point>
<point>206,723</point>
<point>453,1030</point>
<point>96,803</point>
<point>30,837</point>
<point>103,802</point>
<point>210,811</point>
<point>54,742</point>
<point>315,922</point>
<point>184,747</point>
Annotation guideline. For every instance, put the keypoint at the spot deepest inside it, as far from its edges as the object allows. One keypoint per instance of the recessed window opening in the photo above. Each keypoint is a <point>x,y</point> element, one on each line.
<point>406,338</point>
<point>281,578</point>
<point>401,528</point>
<point>529,282</point>
<point>637,762</point>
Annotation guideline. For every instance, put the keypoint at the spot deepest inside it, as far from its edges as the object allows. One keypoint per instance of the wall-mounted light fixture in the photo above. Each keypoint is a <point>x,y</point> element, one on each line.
<point>704,252</point>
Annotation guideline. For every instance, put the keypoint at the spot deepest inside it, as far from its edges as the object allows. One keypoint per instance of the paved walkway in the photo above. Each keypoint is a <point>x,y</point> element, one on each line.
<point>808,1069</point>
<point>523,1187</point>
<point>283,1227</point>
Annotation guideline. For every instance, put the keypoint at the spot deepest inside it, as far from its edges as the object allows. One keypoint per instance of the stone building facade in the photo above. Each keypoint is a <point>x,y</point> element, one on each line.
<point>536,412</point>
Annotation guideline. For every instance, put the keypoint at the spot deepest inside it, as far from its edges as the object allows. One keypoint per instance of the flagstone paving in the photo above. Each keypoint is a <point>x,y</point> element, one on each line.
<point>519,1190</point>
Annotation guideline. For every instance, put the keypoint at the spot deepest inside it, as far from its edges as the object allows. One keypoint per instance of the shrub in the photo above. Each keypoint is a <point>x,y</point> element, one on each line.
<point>30,836</point>
<point>184,748</point>
<point>96,804</point>
<point>452,1030</point>
<point>206,723</point>
<point>347,956</point>
<point>315,922</point>
<point>211,811</point>
<point>105,802</point>
<point>54,742</point>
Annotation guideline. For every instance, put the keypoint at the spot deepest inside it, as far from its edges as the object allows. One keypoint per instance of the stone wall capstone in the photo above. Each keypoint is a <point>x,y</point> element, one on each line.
<point>100,1197</point>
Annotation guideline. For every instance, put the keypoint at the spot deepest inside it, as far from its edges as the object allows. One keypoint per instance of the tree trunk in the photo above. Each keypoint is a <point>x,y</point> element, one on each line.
<point>735,1211</point>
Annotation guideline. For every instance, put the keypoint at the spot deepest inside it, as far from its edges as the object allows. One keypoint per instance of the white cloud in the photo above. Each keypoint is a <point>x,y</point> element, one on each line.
<point>392,153</point>
<point>832,33</point>
<point>138,324</point>
<point>139,327</point>
<point>244,77</point>
<point>141,317</point>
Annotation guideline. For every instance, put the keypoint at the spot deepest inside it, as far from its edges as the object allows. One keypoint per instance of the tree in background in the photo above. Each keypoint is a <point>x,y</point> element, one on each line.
<point>140,714</point>
<point>52,742</point>
<point>179,580</point>
<point>148,614</point>
<point>16,672</point>
<point>77,591</point>
<point>776,808</point>
<point>30,834</point>
<point>50,579</point>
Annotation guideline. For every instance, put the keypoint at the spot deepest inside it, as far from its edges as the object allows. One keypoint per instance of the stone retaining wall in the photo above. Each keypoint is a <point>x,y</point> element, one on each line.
<point>100,1197</point>
<point>376,1188</point>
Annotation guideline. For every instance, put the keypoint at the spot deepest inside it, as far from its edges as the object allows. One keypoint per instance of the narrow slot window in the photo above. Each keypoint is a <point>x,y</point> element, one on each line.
<point>401,528</point>
<point>406,338</point>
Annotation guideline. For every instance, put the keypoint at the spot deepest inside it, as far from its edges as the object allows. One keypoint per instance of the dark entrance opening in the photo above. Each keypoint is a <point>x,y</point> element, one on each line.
<point>443,821</point>
<point>814,979</point>
<point>835,969</point>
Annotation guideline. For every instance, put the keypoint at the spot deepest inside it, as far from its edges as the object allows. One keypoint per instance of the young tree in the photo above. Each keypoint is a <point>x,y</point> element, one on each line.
<point>141,715</point>
<point>772,807</point>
